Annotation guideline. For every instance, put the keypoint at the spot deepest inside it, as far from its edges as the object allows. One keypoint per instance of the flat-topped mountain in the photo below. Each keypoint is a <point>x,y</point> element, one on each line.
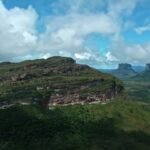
<point>125,67</point>
<point>56,80</point>
<point>124,70</point>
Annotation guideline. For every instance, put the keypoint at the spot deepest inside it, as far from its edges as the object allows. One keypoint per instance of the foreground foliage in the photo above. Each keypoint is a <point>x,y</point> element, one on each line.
<point>119,125</point>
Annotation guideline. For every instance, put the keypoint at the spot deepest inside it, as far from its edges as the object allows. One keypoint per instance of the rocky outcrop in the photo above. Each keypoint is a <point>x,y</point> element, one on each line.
<point>76,98</point>
<point>21,77</point>
<point>57,80</point>
<point>74,95</point>
<point>125,67</point>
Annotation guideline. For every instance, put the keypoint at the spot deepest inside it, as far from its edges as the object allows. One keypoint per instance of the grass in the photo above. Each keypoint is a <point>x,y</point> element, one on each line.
<point>119,125</point>
<point>138,90</point>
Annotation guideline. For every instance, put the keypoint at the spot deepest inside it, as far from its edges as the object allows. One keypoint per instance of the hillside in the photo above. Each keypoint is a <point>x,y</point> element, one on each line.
<point>119,125</point>
<point>56,80</point>
<point>136,84</point>
<point>145,76</point>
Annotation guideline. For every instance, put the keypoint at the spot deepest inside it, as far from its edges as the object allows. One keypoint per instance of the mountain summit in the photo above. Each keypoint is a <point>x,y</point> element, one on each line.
<point>124,70</point>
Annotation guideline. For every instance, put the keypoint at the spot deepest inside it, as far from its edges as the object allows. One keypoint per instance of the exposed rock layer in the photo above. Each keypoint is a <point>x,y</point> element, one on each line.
<point>57,80</point>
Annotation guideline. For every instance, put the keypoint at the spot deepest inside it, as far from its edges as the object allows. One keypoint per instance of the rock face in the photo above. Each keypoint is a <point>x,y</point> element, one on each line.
<point>125,67</point>
<point>124,70</point>
<point>57,80</point>
<point>147,68</point>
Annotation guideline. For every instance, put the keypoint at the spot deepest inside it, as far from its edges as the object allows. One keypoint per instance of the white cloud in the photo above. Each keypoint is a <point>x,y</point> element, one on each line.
<point>70,31</point>
<point>65,34</point>
<point>110,57</point>
<point>121,7</point>
<point>82,56</point>
<point>76,6</point>
<point>132,53</point>
<point>142,29</point>
<point>17,31</point>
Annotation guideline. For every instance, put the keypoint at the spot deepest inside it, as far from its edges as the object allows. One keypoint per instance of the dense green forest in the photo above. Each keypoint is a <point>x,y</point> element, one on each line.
<point>118,125</point>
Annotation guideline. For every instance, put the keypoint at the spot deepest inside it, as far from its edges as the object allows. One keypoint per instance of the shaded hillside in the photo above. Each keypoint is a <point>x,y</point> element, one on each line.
<point>57,80</point>
<point>145,75</point>
<point>138,89</point>
<point>118,125</point>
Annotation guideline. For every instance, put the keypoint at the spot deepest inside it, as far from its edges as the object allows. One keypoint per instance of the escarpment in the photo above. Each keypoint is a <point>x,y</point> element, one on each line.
<point>56,80</point>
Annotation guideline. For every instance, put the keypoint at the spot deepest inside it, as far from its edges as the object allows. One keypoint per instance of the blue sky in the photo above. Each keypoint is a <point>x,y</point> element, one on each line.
<point>96,32</point>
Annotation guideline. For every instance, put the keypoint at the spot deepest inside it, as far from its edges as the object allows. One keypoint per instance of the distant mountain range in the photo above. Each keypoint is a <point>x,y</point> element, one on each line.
<point>126,70</point>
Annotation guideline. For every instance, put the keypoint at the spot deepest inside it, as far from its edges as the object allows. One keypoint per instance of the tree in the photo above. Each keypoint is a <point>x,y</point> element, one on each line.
<point>42,98</point>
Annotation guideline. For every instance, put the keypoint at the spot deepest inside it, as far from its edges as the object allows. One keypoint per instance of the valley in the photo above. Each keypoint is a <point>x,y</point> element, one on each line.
<point>58,104</point>
<point>74,75</point>
<point>136,81</point>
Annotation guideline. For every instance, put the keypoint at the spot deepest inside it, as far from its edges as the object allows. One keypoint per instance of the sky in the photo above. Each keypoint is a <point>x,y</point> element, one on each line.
<point>100,33</point>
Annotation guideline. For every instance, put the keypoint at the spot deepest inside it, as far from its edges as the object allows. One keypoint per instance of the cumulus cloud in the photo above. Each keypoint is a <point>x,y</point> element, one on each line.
<point>110,57</point>
<point>133,53</point>
<point>122,7</point>
<point>74,29</point>
<point>66,33</point>
<point>17,31</point>
<point>142,29</point>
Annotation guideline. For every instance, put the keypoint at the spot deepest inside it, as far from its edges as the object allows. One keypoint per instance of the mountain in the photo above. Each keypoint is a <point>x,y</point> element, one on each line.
<point>56,80</point>
<point>123,71</point>
<point>119,125</point>
<point>138,69</point>
<point>133,69</point>
<point>145,75</point>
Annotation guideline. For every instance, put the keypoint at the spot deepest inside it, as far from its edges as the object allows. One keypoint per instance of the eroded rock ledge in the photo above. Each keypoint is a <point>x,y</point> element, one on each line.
<point>57,80</point>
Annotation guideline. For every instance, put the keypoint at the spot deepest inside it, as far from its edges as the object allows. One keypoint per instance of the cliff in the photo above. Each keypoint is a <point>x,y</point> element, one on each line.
<point>57,80</point>
<point>124,70</point>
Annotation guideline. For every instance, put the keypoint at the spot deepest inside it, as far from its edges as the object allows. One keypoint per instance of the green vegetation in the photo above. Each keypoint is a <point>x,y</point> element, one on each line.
<point>56,75</point>
<point>119,125</point>
<point>137,85</point>
<point>138,89</point>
